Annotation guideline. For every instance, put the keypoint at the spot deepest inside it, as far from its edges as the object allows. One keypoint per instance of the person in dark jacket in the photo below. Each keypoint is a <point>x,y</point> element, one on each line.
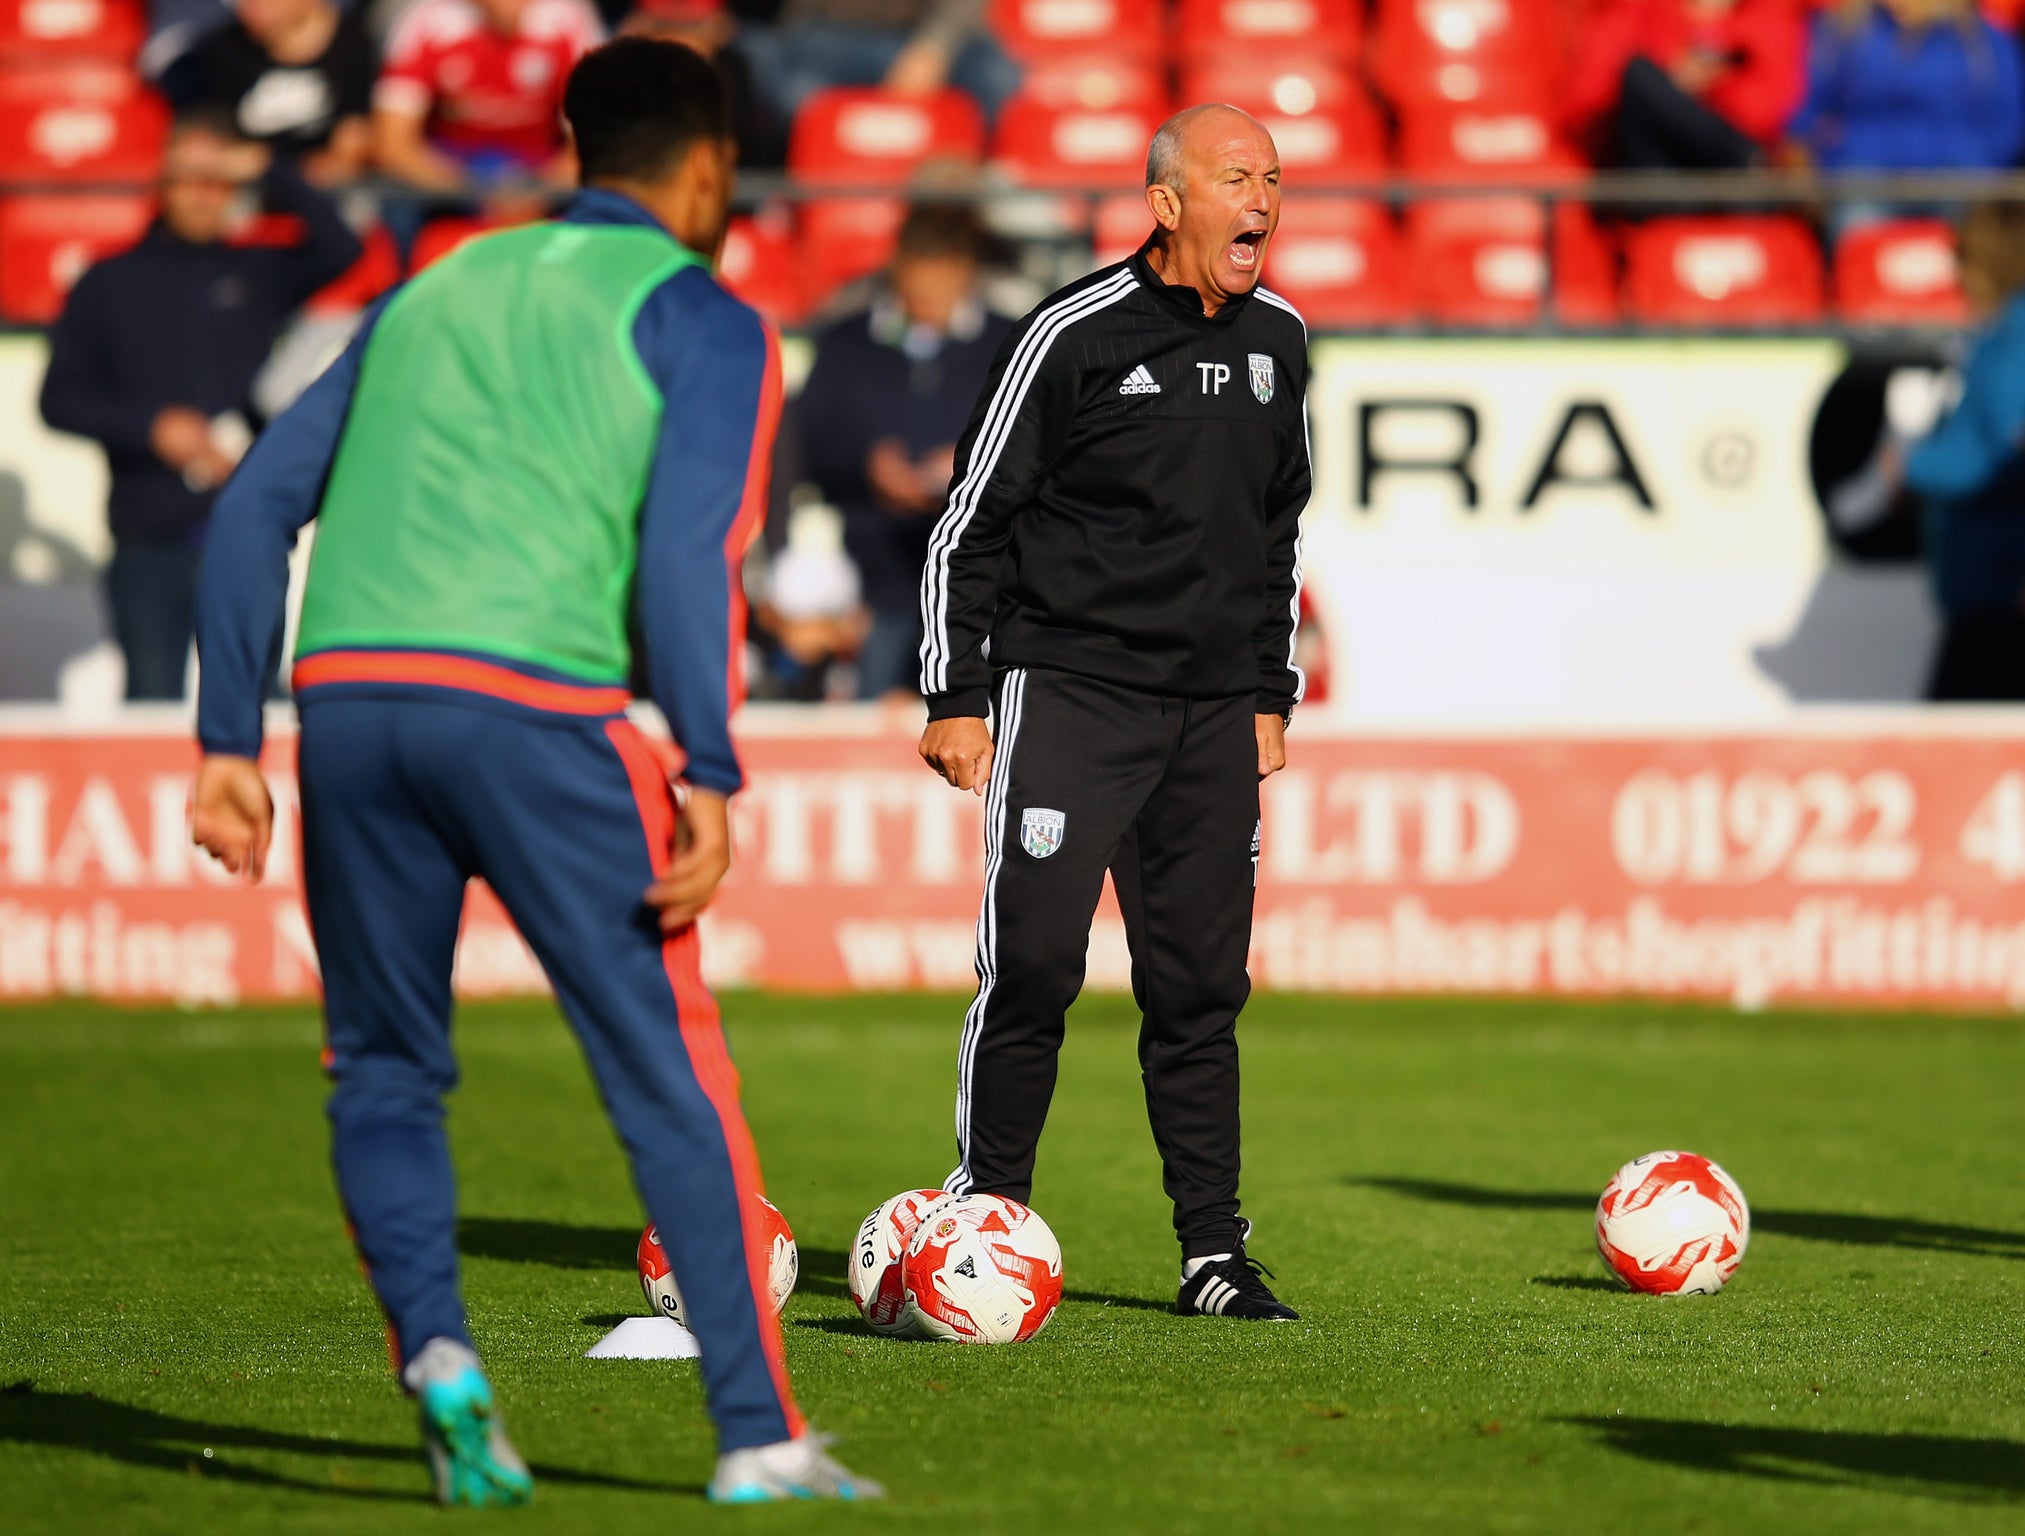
<point>155,356</point>
<point>885,402</point>
<point>1110,605</point>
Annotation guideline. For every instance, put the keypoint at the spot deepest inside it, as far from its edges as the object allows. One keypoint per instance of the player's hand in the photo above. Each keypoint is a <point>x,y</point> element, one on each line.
<point>1272,733</point>
<point>960,750</point>
<point>702,855</point>
<point>232,814</point>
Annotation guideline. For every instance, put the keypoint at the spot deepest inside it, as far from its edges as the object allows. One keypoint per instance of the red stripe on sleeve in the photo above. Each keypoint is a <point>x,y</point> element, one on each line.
<point>745,527</point>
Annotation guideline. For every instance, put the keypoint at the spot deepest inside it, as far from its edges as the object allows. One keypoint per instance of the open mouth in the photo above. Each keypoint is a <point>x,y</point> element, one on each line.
<point>1245,250</point>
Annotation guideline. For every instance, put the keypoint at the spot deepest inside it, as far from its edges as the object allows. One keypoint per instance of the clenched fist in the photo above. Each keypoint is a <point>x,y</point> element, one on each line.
<point>960,750</point>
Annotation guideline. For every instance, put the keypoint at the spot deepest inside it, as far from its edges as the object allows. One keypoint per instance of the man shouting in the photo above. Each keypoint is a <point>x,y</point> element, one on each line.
<point>1109,609</point>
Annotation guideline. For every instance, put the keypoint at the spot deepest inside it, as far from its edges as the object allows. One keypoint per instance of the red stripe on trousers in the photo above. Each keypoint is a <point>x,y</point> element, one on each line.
<point>703,1038</point>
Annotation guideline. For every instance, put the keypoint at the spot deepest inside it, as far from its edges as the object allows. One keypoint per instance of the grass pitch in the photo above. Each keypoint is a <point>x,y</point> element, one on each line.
<point>185,1343</point>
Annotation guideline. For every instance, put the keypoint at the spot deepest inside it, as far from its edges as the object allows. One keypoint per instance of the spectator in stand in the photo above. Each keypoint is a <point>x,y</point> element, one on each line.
<point>707,27</point>
<point>1686,85</point>
<point>1909,85</point>
<point>155,356</point>
<point>888,396</point>
<point>913,47</point>
<point>298,77</point>
<point>471,96</point>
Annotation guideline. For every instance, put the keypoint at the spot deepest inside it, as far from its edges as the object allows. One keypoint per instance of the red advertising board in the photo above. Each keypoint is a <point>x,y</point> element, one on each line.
<point>1880,864</point>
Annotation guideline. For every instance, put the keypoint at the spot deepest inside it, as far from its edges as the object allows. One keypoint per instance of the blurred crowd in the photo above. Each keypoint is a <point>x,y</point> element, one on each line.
<point>463,96</point>
<point>452,107</point>
<point>458,95</point>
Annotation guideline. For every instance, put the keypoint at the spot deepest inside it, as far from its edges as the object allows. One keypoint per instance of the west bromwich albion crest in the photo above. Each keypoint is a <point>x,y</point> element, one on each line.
<point>1262,376</point>
<point>1041,830</point>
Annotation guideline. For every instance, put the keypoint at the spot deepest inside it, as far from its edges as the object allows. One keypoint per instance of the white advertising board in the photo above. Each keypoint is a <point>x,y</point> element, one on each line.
<point>1588,533</point>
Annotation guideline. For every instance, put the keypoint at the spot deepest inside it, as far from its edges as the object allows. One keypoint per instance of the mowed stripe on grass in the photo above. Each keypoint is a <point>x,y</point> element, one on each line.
<point>174,1279</point>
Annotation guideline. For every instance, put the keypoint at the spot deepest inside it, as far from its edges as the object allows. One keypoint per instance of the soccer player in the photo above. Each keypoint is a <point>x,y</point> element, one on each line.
<point>1117,578</point>
<point>550,442</point>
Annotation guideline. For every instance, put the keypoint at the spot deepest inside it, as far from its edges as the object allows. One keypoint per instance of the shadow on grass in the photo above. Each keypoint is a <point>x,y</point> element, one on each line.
<point>823,1271</point>
<point>1817,1226</point>
<point>1947,1463</point>
<point>851,1327</point>
<point>558,1244</point>
<point>562,1245</point>
<point>143,1437</point>
<point>1107,1299</point>
<point>1579,1283</point>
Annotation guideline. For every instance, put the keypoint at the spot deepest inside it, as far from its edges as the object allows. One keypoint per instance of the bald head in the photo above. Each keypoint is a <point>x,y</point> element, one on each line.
<point>1201,128</point>
<point>1213,188</point>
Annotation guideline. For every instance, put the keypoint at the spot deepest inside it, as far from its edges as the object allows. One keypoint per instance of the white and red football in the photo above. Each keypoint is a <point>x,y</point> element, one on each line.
<point>876,1285</point>
<point>1672,1224</point>
<point>981,1270</point>
<point>783,1265</point>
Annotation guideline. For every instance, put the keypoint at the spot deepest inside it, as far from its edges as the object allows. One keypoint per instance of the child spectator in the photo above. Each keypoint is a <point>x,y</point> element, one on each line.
<point>471,95</point>
<point>1686,85</point>
<point>297,76</point>
<point>1909,85</point>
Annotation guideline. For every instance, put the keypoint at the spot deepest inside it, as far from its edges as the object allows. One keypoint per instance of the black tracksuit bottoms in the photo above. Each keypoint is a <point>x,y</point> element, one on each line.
<point>1163,792</point>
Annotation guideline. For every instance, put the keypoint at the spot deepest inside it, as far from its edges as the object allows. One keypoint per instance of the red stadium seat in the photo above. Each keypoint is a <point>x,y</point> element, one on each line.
<point>1585,268</point>
<point>761,265</point>
<point>1484,51</point>
<point>1904,271</point>
<point>1478,263</point>
<point>1122,225</point>
<point>103,28</point>
<point>1045,146</point>
<point>1309,29</point>
<point>1288,84</point>
<point>79,122</point>
<point>1482,143</point>
<point>871,137</point>
<point>846,238</point>
<point>439,237</point>
<point>1034,29</point>
<point>1737,270</point>
<point>1096,84</point>
<point>1329,144</point>
<point>1489,262</point>
<point>47,242</point>
<point>377,270</point>
<point>1338,262</point>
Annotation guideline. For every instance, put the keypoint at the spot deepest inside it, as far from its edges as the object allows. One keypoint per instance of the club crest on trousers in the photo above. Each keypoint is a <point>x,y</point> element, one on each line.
<point>1041,830</point>
<point>1262,376</point>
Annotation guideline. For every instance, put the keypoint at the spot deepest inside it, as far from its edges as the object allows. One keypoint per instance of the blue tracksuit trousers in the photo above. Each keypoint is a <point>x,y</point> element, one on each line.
<point>407,795</point>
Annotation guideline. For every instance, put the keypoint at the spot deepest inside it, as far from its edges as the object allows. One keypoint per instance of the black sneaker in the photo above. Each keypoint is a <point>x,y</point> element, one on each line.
<point>1232,1287</point>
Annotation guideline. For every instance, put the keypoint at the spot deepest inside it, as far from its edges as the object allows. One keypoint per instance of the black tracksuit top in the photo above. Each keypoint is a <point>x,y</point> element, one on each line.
<point>1127,500</point>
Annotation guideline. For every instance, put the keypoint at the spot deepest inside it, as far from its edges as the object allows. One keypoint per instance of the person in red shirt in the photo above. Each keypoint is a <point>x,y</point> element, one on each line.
<point>471,94</point>
<point>1669,85</point>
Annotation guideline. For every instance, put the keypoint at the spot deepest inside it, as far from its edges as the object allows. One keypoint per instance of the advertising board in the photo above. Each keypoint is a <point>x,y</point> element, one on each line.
<point>1880,862</point>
